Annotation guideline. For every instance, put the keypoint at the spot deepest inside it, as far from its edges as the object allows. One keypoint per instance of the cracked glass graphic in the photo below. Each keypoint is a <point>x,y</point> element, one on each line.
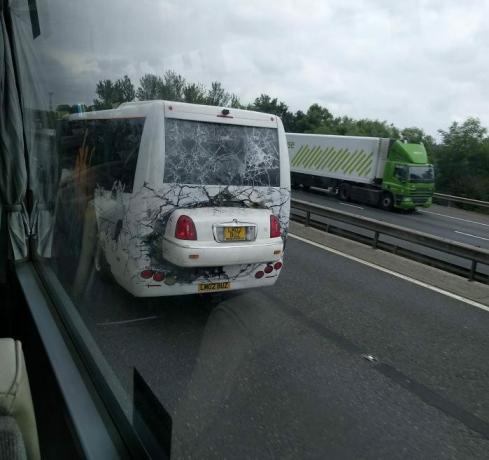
<point>220,154</point>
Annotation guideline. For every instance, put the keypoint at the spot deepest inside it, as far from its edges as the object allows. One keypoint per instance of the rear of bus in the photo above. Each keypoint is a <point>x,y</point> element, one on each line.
<point>215,217</point>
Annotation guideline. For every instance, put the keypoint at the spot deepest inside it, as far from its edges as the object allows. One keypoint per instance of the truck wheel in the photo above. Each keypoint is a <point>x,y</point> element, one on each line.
<point>101,265</point>
<point>386,201</point>
<point>344,192</point>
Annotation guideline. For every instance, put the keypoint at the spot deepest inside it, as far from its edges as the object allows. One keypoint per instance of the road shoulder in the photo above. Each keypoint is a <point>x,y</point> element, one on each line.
<point>457,285</point>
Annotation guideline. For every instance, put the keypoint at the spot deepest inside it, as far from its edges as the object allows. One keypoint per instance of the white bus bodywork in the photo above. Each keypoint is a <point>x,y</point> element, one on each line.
<point>225,169</point>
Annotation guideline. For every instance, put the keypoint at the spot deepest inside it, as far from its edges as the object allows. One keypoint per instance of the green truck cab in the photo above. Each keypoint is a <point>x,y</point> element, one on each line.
<point>408,176</point>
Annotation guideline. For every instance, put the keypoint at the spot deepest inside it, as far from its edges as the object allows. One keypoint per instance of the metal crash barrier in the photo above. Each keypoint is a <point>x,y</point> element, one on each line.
<point>473,254</point>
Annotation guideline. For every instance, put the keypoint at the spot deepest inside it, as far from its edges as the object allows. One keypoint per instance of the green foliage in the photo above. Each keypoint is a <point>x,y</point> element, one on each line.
<point>461,159</point>
<point>217,95</point>
<point>110,94</point>
<point>315,119</point>
<point>173,87</point>
<point>149,87</point>
<point>194,93</point>
<point>264,103</point>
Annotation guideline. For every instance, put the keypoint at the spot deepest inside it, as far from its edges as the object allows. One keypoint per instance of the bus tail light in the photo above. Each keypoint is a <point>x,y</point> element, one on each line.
<point>278,265</point>
<point>259,274</point>
<point>268,269</point>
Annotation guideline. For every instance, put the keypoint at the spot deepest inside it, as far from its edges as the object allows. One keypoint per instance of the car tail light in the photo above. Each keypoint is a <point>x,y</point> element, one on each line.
<point>259,274</point>
<point>268,269</point>
<point>274,226</point>
<point>185,229</point>
<point>147,274</point>
<point>158,276</point>
<point>278,265</point>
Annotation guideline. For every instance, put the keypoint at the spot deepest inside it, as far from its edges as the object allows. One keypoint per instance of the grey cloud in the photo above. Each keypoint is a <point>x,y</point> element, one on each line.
<point>413,63</point>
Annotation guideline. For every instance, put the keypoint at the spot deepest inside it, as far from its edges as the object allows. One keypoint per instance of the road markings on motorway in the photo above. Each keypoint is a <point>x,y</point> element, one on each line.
<point>451,217</point>
<point>127,321</point>
<point>351,205</point>
<point>473,236</point>
<point>396,274</point>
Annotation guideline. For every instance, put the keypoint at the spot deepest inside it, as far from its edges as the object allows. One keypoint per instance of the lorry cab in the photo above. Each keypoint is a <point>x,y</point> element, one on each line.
<point>408,176</point>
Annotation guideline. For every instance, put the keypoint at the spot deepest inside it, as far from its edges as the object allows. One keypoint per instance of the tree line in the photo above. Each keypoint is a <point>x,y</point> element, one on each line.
<point>461,157</point>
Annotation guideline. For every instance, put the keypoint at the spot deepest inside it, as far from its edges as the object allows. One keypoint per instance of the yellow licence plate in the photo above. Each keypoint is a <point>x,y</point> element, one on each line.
<point>234,233</point>
<point>205,287</point>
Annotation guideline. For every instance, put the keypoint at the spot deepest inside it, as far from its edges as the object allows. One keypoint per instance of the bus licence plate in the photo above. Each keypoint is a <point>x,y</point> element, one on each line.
<point>206,287</point>
<point>234,233</point>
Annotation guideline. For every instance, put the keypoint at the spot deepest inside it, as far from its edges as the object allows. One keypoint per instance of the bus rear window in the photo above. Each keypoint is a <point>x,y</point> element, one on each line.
<point>205,153</point>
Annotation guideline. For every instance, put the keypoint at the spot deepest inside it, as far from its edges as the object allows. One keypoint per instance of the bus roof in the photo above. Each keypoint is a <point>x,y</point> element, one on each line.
<point>216,114</point>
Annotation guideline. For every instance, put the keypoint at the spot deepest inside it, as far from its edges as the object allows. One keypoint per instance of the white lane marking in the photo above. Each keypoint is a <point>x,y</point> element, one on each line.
<point>351,205</point>
<point>473,236</point>
<point>451,217</point>
<point>127,321</point>
<point>398,275</point>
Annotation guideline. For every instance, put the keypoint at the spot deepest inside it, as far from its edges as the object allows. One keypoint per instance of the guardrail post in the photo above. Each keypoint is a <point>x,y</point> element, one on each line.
<point>308,218</point>
<point>376,240</point>
<point>472,270</point>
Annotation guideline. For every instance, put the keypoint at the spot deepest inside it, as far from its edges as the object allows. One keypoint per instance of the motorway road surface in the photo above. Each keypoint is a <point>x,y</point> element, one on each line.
<point>452,223</point>
<point>337,360</point>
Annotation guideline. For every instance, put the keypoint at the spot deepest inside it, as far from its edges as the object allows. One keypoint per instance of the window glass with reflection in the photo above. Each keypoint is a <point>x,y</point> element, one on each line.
<point>124,204</point>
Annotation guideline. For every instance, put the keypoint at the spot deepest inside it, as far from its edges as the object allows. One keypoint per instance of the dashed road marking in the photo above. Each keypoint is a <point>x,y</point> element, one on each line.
<point>452,217</point>
<point>351,205</point>
<point>473,236</point>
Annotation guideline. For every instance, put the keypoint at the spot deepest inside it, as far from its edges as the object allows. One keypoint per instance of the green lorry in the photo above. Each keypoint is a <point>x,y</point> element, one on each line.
<point>372,170</point>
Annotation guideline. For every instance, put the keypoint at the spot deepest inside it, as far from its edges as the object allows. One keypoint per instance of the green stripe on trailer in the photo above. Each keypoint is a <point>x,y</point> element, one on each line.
<point>312,155</point>
<point>297,160</point>
<point>362,155</point>
<point>297,154</point>
<point>350,161</point>
<point>304,156</point>
<point>366,168</point>
<point>345,160</point>
<point>327,157</point>
<point>362,163</point>
<point>319,158</point>
<point>307,156</point>
<point>333,158</point>
<point>334,166</point>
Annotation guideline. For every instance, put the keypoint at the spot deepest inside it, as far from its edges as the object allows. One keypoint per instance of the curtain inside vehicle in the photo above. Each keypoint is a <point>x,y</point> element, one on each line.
<point>38,119</point>
<point>13,172</point>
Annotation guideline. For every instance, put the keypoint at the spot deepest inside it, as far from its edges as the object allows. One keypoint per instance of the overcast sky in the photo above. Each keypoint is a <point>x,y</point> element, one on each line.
<point>414,63</point>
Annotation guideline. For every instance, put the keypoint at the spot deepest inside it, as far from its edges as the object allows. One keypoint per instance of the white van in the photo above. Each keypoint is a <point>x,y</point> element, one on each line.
<point>187,198</point>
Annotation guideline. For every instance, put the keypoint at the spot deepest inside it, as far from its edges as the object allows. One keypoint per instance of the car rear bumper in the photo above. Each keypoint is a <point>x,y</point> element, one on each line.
<point>193,254</point>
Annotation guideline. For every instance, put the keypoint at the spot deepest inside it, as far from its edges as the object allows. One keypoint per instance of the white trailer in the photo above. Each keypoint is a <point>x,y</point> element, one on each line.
<point>344,158</point>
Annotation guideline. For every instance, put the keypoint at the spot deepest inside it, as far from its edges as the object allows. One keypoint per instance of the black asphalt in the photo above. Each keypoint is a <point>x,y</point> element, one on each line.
<point>337,360</point>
